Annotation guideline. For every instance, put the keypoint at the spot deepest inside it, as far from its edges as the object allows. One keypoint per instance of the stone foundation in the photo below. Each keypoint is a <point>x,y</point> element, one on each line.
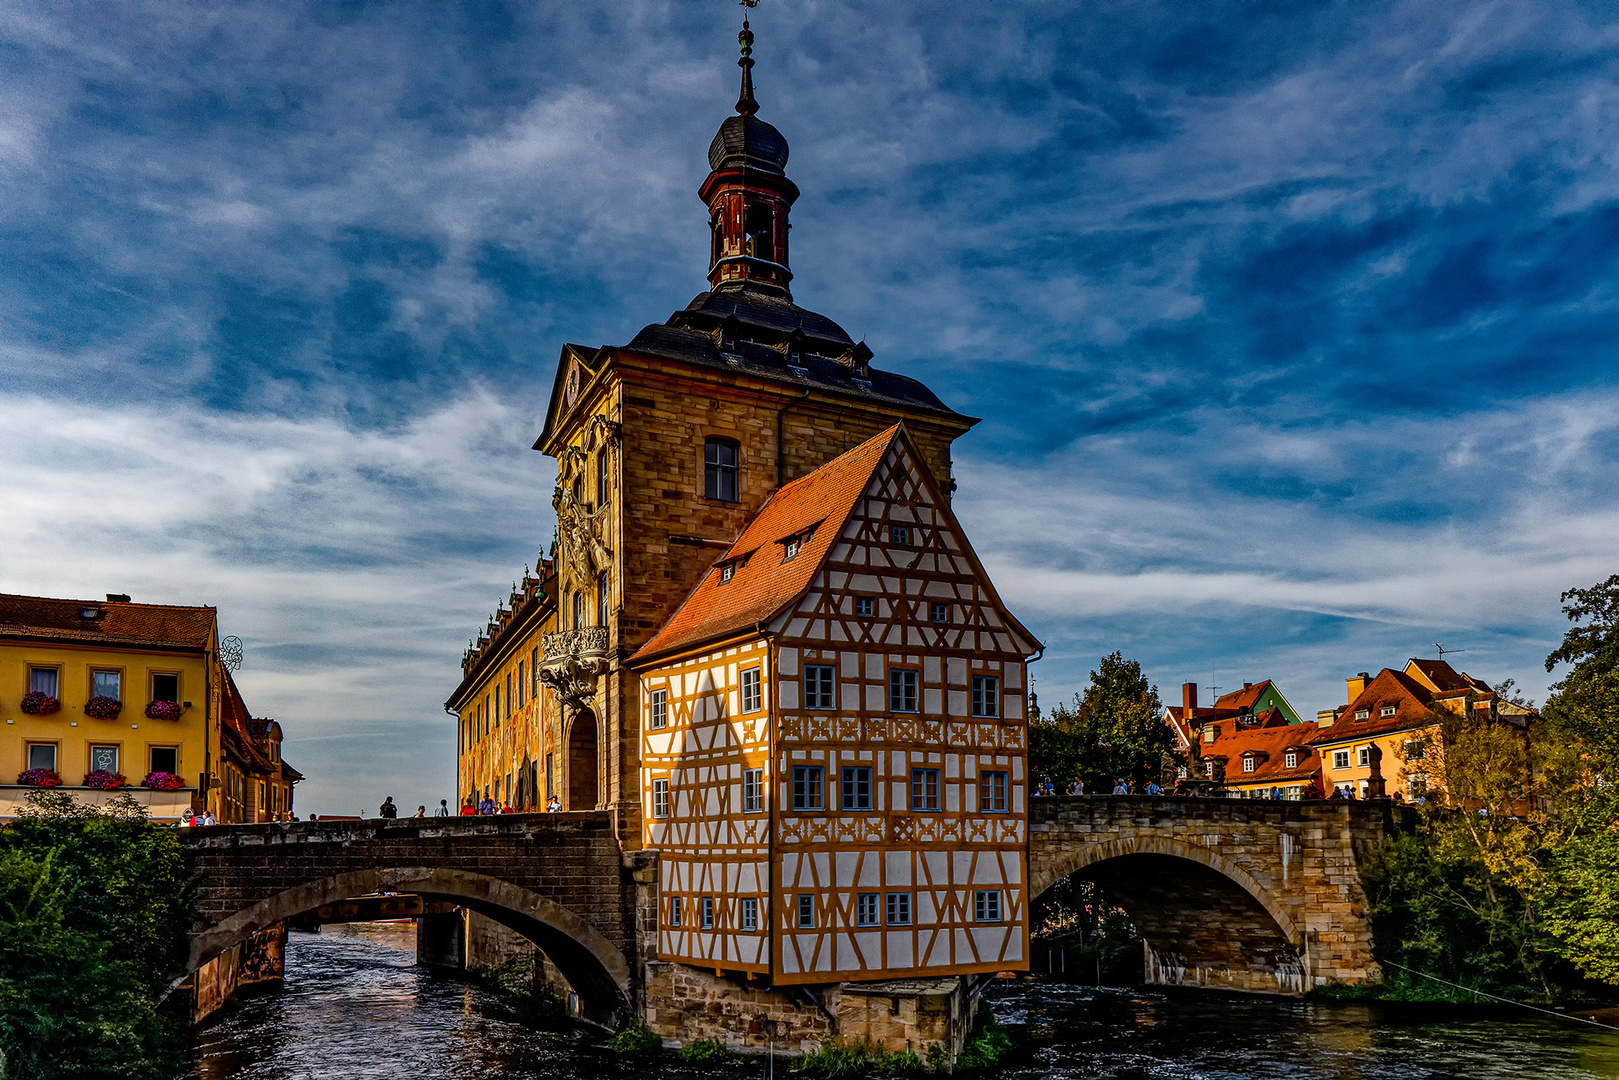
<point>260,959</point>
<point>685,1004</point>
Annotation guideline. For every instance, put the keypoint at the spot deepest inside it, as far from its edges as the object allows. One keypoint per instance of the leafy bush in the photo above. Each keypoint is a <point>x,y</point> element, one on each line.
<point>985,1049</point>
<point>635,1039</point>
<point>705,1052</point>
<point>851,1058</point>
<point>93,914</point>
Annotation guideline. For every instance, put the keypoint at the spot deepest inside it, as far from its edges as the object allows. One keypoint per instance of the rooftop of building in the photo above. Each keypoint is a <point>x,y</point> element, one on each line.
<point>113,621</point>
<point>1269,744</point>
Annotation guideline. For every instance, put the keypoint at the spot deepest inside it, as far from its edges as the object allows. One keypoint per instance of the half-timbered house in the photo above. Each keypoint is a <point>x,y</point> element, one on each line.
<point>833,740</point>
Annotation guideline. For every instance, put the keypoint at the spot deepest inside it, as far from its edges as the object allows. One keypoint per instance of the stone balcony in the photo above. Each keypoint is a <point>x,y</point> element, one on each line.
<point>574,661</point>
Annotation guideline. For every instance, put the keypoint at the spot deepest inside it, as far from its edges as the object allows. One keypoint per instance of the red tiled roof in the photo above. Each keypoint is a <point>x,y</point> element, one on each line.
<point>237,727</point>
<point>1273,742</point>
<point>117,622</point>
<point>762,582</point>
<point>1412,702</point>
<point>1244,698</point>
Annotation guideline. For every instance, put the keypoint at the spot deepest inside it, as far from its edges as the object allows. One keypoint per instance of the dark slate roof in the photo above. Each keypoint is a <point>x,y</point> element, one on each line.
<point>750,143</point>
<point>759,324</point>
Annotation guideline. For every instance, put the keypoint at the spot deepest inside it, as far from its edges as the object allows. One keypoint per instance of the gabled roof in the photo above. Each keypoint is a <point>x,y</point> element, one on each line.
<point>762,581</point>
<point>113,622</point>
<point>1273,743</point>
<point>1443,678</point>
<point>236,727</point>
<point>1412,702</point>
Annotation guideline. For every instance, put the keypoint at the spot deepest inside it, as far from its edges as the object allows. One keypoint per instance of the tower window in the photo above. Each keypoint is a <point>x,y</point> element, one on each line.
<point>604,601</point>
<point>716,236</point>
<point>720,472</point>
<point>603,480</point>
<point>760,233</point>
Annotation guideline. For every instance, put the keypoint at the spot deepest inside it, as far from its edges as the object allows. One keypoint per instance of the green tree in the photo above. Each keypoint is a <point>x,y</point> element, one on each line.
<point>1580,891</point>
<point>1114,730</point>
<point>94,910</point>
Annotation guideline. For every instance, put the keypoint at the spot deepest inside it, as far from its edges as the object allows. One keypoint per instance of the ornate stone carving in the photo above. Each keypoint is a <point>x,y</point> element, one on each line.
<point>574,661</point>
<point>584,553</point>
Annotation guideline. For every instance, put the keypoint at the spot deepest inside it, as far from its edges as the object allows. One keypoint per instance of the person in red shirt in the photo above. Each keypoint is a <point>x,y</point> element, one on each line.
<point>469,807</point>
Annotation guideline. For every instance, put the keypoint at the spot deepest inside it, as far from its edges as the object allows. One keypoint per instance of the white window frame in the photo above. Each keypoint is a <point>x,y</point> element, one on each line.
<point>1249,763</point>
<point>1340,759</point>
<point>1291,759</point>
<point>117,683</point>
<point>750,915</point>
<point>55,751</point>
<point>868,909</point>
<point>986,696</point>
<point>659,708</point>
<point>1363,757</point>
<point>753,791</point>
<point>752,689</point>
<point>820,686</point>
<point>661,804</point>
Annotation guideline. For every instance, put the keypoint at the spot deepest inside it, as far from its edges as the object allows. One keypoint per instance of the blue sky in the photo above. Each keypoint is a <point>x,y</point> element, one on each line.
<point>1293,325</point>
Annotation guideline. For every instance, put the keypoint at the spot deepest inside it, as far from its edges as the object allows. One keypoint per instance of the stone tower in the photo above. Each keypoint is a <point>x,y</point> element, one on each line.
<point>668,445</point>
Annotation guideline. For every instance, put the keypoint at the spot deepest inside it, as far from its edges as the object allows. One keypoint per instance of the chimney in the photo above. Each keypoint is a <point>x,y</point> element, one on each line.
<point>1358,684</point>
<point>1325,717</point>
<point>1247,686</point>
<point>117,598</point>
<point>1189,699</point>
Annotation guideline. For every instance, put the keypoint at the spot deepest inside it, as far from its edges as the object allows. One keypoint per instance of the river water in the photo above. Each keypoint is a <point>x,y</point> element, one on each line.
<point>355,1007</point>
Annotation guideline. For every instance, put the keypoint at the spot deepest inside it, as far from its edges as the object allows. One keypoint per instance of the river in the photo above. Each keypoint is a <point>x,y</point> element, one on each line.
<point>355,1007</point>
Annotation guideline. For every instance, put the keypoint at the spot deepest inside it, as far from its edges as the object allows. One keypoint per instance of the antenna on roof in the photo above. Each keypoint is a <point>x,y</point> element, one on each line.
<point>1443,650</point>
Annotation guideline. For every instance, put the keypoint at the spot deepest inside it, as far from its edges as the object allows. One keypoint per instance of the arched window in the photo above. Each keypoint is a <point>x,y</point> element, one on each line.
<point>760,233</point>
<point>717,233</point>
<point>604,600</point>
<point>720,470</point>
<point>603,479</point>
<point>578,610</point>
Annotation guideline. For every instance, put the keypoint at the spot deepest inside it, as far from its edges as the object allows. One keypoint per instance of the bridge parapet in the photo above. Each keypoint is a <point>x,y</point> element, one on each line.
<point>1249,894</point>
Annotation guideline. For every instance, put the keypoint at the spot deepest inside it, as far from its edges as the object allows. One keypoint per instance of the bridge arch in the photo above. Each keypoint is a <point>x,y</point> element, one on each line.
<point>595,968</point>
<point>1073,862</point>
<point>1205,920</point>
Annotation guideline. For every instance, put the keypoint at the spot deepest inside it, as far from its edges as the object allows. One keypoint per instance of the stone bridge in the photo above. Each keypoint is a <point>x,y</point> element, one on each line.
<point>561,880</point>
<point>1239,894</point>
<point>1242,894</point>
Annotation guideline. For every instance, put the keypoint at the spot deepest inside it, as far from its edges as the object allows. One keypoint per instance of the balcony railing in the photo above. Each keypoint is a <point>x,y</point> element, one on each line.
<point>574,661</point>
<point>586,641</point>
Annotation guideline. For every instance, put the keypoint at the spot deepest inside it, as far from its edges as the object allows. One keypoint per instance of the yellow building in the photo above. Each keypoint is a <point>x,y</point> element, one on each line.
<point>99,696</point>
<point>1387,739</point>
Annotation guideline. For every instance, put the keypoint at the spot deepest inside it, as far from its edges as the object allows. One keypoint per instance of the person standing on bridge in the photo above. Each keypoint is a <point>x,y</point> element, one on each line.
<point>443,808</point>
<point>1121,788</point>
<point>487,806</point>
<point>421,811</point>
<point>469,807</point>
<point>388,809</point>
<point>553,805</point>
<point>1076,786</point>
<point>1153,788</point>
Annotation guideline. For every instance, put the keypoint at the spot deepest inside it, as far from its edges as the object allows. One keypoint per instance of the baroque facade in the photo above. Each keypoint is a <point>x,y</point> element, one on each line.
<point>764,642</point>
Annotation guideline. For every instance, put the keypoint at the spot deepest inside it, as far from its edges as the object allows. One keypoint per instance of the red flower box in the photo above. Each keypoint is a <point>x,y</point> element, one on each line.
<point>102,780</point>
<point>103,708</point>
<point>38,703</point>
<point>163,710</point>
<point>39,778</point>
<point>163,781</point>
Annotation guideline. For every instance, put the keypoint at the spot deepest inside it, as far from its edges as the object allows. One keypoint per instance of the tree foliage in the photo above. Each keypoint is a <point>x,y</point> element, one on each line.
<point>93,916</point>
<point>1114,730</point>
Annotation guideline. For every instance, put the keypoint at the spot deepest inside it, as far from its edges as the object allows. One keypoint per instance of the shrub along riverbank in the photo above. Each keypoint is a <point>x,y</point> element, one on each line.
<point>93,911</point>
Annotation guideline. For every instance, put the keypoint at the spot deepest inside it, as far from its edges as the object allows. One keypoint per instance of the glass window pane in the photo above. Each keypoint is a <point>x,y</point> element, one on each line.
<point>41,756</point>
<point>165,759</point>
<point>42,681</point>
<point>104,684</point>
<point>104,759</point>
<point>165,688</point>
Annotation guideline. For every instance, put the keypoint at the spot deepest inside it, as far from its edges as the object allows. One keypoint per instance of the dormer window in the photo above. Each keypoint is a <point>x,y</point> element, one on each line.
<point>1291,759</point>
<point>1249,763</point>
<point>726,571</point>
<point>1387,710</point>
<point>792,545</point>
<point>790,548</point>
<point>1363,714</point>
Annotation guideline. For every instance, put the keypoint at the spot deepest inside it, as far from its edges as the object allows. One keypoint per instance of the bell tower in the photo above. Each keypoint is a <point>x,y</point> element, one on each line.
<point>748,194</point>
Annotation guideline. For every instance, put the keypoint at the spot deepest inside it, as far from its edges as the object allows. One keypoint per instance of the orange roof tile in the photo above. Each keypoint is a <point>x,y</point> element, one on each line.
<point>762,581</point>
<point>1411,700</point>
<point>116,622</point>
<point>1271,742</point>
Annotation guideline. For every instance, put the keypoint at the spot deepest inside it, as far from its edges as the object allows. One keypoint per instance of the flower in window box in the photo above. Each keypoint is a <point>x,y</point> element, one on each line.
<point>163,710</point>
<point>102,707</point>
<point>39,703</point>
<point>102,780</point>
<point>163,781</point>
<point>39,778</point>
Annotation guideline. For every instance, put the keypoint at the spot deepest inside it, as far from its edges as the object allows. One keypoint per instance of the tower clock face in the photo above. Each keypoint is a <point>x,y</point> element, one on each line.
<point>573,385</point>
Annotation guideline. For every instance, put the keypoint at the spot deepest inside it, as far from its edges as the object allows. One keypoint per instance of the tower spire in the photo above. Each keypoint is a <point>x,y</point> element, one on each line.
<point>744,102</point>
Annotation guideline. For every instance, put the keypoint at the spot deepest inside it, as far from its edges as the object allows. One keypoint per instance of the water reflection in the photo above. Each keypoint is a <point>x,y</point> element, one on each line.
<point>356,1006</point>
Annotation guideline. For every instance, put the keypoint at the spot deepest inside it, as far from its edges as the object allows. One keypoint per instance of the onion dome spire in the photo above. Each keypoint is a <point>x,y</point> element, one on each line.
<point>747,192</point>
<point>745,103</point>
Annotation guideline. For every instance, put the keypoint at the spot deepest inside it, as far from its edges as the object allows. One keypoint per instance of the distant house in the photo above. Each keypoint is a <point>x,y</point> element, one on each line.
<point>105,696</point>
<point>1256,705</point>
<point>1386,739</point>
<point>1272,760</point>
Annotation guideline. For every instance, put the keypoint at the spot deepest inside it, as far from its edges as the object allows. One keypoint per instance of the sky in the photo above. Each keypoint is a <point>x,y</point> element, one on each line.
<point>1292,325</point>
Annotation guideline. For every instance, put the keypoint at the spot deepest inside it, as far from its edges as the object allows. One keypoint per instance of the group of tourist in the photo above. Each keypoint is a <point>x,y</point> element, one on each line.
<point>486,805</point>
<point>1121,786</point>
